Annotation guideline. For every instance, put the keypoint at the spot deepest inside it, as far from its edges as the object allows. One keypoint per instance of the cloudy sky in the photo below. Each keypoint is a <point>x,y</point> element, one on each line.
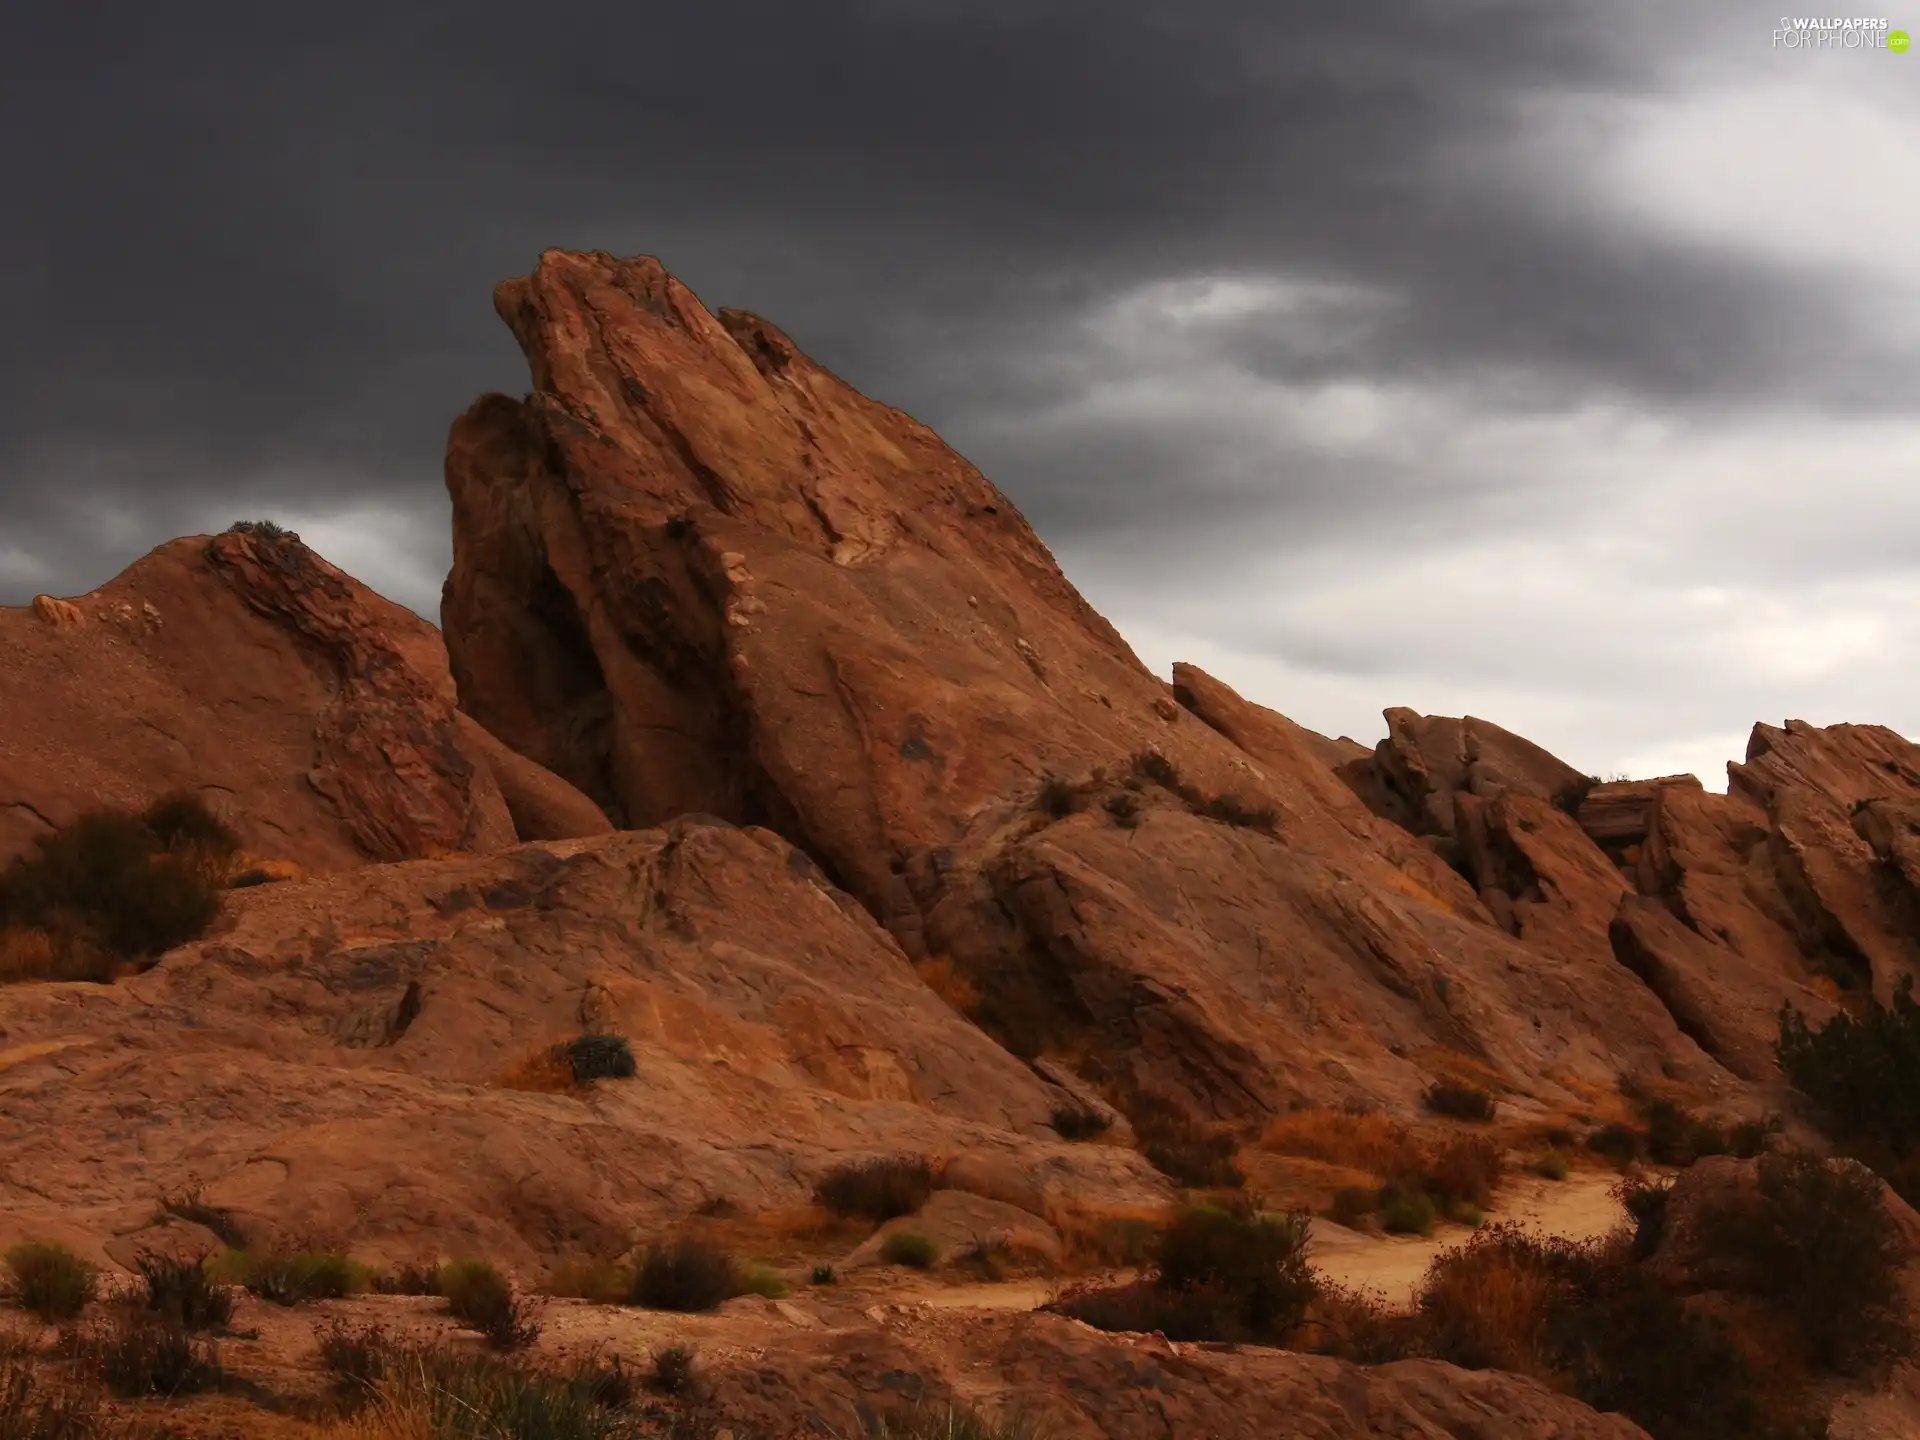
<point>1555,364</point>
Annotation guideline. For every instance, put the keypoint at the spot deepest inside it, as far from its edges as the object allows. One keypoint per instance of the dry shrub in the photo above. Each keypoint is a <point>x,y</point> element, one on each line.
<point>1464,1170</point>
<point>905,1248</point>
<point>50,1280</point>
<point>878,1190</point>
<point>673,1370</point>
<point>178,1288</point>
<point>1197,1156</point>
<point>482,1299</point>
<point>687,1275</point>
<point>412,1277</point>
<point>1357,1326</point>
<point>945,979</point>
<point>1072,1122</point>
<point>1374,1144</point>
<point>1097,1241</point>
<point>1460,1102</point>
<point>296,1277</point>
<point>114,889</point>
<point>1489,1305</point>
<point>137,1353</point>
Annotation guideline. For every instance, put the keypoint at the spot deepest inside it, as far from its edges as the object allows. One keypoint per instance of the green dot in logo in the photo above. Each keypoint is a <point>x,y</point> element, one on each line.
<point>1898,41</point>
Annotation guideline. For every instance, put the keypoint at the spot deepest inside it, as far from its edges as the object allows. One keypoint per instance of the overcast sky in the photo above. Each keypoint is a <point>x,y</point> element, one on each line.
<point>1555,364</point>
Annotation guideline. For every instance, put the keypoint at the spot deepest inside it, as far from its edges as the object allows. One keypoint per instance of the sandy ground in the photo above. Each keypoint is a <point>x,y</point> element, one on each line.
<point>1578,1208</point>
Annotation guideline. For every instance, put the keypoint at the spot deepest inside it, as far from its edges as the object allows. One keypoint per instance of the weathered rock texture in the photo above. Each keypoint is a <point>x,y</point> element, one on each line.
<point>332,1061</point>
<point>695,571</point>
<point>317,716</point>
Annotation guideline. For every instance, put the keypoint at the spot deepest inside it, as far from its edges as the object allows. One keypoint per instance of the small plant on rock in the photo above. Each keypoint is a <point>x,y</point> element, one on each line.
<point>673,1370</point>
<point>1460,1102</point>
<point>177,1287</point>
<point>1072,1122</point>
<point>600,1057</point>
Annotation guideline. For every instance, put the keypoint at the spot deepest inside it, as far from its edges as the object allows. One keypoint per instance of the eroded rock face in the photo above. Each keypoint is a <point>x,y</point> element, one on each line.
<point>696,572</point>
<point>317,716</point>
<point>333,1061</point>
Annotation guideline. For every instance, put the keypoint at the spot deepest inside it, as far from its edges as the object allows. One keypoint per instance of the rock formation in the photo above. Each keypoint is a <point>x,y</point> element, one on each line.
<point>318,717</point>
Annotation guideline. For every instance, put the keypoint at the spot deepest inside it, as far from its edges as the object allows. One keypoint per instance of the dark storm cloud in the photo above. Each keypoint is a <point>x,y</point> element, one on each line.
<point>253,245</point>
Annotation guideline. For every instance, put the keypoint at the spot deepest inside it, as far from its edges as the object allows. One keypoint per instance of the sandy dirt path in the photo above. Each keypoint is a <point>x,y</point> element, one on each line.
<point>1578,1208</point>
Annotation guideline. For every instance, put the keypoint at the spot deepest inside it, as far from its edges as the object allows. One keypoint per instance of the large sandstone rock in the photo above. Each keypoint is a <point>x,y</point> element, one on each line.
<point>695,572</point>
<point>317,716</point>
<point>332,1061</point>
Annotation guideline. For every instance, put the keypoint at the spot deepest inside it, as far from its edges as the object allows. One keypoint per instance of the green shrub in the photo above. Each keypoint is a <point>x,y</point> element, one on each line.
<point>877,1190</point>
<point>296,1277</point>
<point>1406,1211</point>
<point>453,1395</point>
<point>177,1288</point>
<point>1460,1102</point>
<point>51,1281</point>
<point>1258,1260</point>
<point>1817,1241</point>
<point>1352,1204</point>
<point>600,1057</point>
<point>1553,1166</point>
<point>762,1280</point>
<point>686,1275</point>
<point>825,1275</point>
<point>904,1247</point>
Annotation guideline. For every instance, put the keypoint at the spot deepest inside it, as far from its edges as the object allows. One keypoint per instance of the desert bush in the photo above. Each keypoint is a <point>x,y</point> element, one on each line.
<point>1352,1204</point>
<point>1816,1240</point>
<point>110,889</point>
<point>296,1277</point>
<point>50,1280</point>
<point>914,1251</point>
<point>1489,1304</point>
<point>413,1277</point>
<point>138,1352</point>
<point>30,1409</point>
<point>1407,1210</point>
<point>762,1280</point>
<point>1617,1144</point>
<point>1357,1326</point>
<point>686,1275</point>
<point>1108,1242</point>
<point>1749,1138</point>
<point>1676,1137</point>
<point>262,530</point>
<point>1231,810</point>
<point>1862,1072</point>
<point>1071,1122</point>
<point>1571,796</point>
<point>824,1275</point>
<point>600,1057</point>
<point>1182,1149</point>
<point>178,1288</point>
<point>1462,1171</point>
<point>602,1280</point>
<point>482,1299</point>
<point>355,1357</point>
<point>1059,797</point>
<point>607,1383</point>
<point>1646,1205</point>
<point>1124,807</point>
<point>673,1370</point>
<point>1459,1102</point>
<point>877,1190</point>
<point>1150,767</point>
<point>1553,1166</point>
<point>1258,1260</point>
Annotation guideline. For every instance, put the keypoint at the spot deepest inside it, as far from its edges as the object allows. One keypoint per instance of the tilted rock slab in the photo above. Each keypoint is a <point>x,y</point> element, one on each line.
<point>696,572</point>
<point>316,716</point>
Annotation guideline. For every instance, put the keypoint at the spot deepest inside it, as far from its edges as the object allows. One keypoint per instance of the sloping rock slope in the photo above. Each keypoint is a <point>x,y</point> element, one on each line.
<point>331,1062</point>
<point>1797,887</point>
<point>318,717</point>
<point>695,571</point>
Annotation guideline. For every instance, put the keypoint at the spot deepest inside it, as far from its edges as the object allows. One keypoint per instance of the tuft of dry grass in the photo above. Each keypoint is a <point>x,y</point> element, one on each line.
<point>1373,1144</point>
<point>604,1280</point>
<point>546,1072</point>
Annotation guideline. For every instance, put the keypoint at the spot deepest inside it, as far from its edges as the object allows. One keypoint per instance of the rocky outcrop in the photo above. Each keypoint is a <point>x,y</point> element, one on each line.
<point>314,714</point>
<point>695,572</point>
<point>343,1058</point>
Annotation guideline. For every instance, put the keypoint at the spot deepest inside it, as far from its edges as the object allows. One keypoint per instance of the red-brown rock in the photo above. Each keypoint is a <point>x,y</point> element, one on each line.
<point>317,716</point>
